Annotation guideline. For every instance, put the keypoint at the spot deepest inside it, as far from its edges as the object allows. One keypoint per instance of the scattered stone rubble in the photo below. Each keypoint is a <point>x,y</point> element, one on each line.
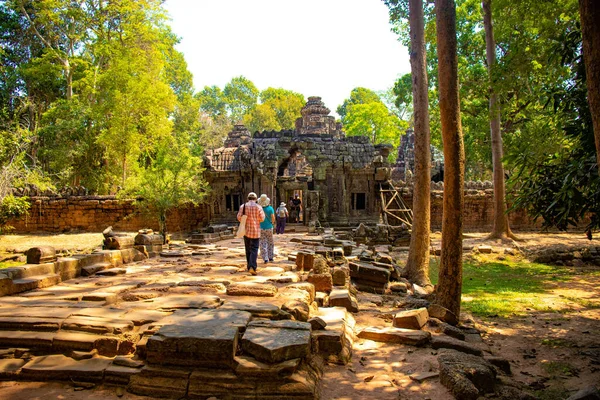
<point>190,322</point>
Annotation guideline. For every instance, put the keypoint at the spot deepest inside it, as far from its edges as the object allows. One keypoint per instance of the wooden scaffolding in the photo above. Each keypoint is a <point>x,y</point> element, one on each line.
<point>394,212</point>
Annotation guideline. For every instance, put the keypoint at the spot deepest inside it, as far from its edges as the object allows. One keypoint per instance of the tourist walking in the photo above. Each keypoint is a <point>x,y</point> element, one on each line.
<point>254,216</point>
<point>266,244</point>
<point>295,209</point>
<point>282,215</point>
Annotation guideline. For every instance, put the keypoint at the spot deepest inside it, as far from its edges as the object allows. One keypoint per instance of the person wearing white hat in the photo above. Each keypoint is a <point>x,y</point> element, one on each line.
<point>254,216</point>
<point>282,215</point>
<point>266,243</point>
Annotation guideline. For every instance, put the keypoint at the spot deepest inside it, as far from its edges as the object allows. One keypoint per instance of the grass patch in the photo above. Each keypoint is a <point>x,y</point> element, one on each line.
<point>557,342</point>
<point>505,288</point>
<point>552,393</point>
<point>9,264</point>
<point>560,368</point>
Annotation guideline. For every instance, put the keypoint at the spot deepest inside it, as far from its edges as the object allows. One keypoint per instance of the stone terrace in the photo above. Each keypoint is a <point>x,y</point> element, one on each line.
<point>192,323</point>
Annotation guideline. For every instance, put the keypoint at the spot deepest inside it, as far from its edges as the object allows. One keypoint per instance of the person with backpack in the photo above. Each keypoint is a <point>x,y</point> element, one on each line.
<point>282,215</point>
<point>254,216</point>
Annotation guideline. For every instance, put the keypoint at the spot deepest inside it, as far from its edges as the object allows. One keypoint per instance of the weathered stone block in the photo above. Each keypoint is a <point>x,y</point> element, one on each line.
<point>41,255</point>
<point>25,339</point>
<point>308,261</point>
<point>340,276</point>
<point>252,289</point>
<point>411,319</point>
<point>443,314</point>
<point>274,345</point>
<point>59,367</point>
<point>307,287</point>
<point>160,381</point>
<point>322,282</point>
<point>10,368</point>
<point>466,376</point>
<point>395,335</point>
<point>119,242</point>
<point>397,287</point>
<point>68,268</point>
<point>150,239</point>
<point>298,309</point>
<point>204,339</point>
<point>249,366</point>
<point>368,272</point>
<point>43,324</point>
<point>441,342</point>
<point>343,298</point>
<point>206,384</point>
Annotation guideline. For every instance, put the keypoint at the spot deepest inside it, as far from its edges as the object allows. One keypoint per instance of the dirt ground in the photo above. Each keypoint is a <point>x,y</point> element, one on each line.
<point>553,354</point>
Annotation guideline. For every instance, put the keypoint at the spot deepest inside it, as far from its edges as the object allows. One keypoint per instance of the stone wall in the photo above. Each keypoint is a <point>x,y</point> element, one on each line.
<point>478,214</point>
<point>95,213</point>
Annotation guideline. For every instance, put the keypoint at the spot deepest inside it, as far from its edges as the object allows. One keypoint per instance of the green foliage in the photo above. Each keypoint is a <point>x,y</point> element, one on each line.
<point>563,187</point>
<point>240,96</point>
<point>278,110</point>
<point>358,95</point>
<point>172,178</point>
<point>96,85</point>
<point>374,121</point>
<point>526,73</point>
<point>212,101</point>
<point>12,207</point>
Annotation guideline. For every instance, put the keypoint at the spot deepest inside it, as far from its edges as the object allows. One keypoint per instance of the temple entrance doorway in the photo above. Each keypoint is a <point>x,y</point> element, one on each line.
<point>294,179</point>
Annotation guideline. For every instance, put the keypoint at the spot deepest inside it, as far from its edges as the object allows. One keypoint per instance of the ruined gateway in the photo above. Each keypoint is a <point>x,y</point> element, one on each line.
<point>336,177</point>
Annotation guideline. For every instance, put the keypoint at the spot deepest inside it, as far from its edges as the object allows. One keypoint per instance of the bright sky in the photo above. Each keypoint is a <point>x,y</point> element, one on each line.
<point>315,47</point>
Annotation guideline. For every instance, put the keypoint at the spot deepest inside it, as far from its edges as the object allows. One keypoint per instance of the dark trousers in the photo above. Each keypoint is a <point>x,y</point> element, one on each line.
<point>280,228</point>
<point>251,246</point>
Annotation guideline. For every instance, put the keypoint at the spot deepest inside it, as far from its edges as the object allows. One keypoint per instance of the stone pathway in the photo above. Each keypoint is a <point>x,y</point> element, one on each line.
<point>193,323</point>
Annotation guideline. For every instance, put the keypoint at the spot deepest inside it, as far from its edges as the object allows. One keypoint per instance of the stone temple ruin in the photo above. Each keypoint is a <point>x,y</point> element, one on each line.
<point>186,321</point>
<point>335,176</point>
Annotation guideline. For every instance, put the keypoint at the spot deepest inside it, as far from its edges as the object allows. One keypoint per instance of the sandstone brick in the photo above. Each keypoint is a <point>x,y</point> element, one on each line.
<point>411,319</point>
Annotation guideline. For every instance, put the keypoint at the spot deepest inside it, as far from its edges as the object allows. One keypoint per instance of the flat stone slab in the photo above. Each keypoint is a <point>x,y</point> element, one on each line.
<point>444,342</point>
<point>395,335</point>
<point>284,324</point>
<point>112,272</point>
<point>59,367</point>
<point>142,317</point>
<point>67,340</point>
<point>249,366</point>
<point>274,345</point>
<point>119,374</point>
<point>258,310</point>
<point>423,376</point>
<point>160,382</point>
<point>97,325</point>
<point>183,302</point>
<point>30,323</point>
<point>411,319</point>
<point>252,289</point>
<point>100,296</point>
<point>206,339</point>
<point>26,339</point>
<point>10,368</point>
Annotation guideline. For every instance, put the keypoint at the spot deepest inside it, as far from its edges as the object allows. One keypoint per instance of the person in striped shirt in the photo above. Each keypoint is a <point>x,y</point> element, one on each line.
<point>255,215</point>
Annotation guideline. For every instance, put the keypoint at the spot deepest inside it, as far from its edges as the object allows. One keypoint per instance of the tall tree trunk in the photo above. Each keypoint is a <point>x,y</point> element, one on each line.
<point>69,78</point>
<point>450,276</point>
<point>417,266</point>
<point>501,227</point>
<point>589,11</point>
